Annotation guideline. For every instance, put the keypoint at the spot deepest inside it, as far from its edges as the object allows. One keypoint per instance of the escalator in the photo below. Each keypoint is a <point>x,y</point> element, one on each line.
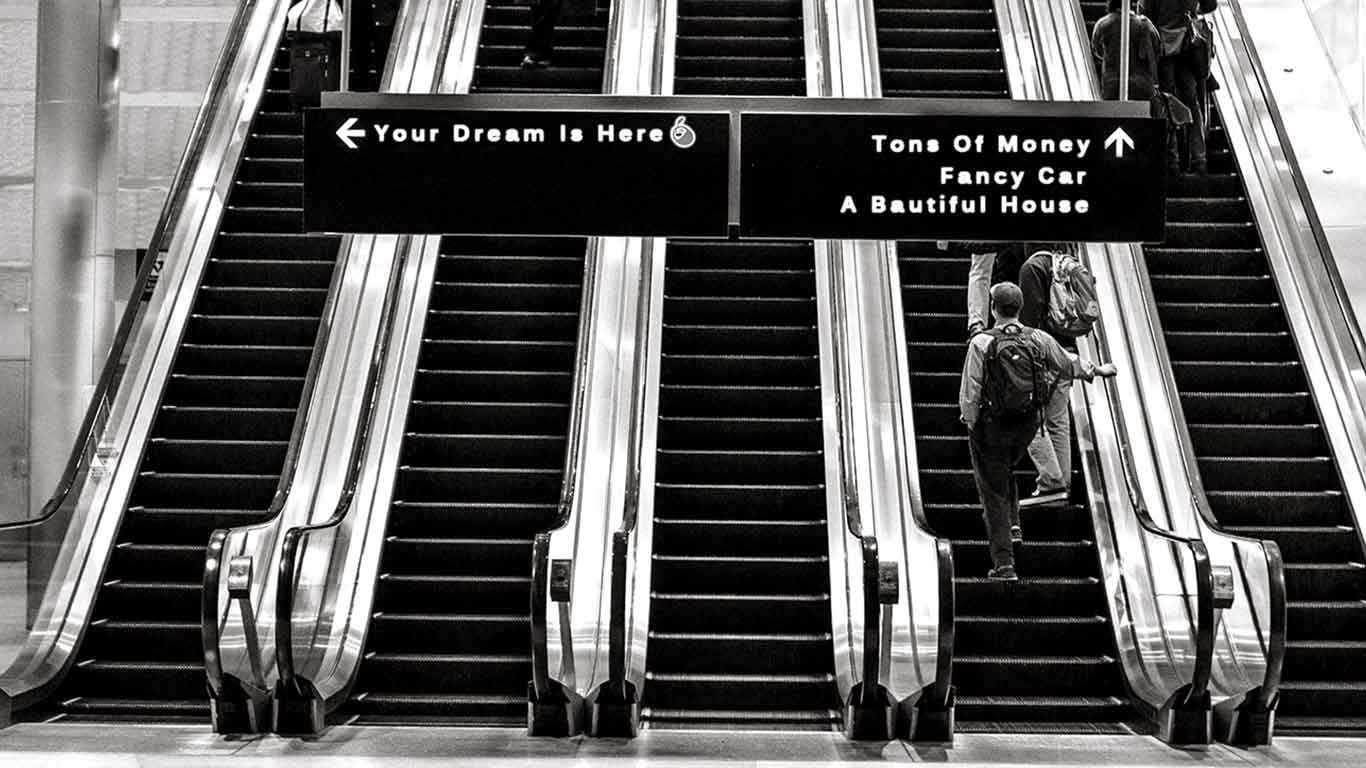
<point>740,632</point>
<point>1037,654</point>
<point>1264,460</point>
<point>940,48</point>
<point>484,447</point>
<point>216,448</point>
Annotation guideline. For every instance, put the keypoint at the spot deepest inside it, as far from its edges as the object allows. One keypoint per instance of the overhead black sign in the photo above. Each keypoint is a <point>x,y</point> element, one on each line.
<point>533,172</point>
<point>951,177</point>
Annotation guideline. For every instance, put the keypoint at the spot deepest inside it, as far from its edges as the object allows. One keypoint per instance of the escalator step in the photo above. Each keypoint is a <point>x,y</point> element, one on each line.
<point>757,574</point>
<point>449,633</point>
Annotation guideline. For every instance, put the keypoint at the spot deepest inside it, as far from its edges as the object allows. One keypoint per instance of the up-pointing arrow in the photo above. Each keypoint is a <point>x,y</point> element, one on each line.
<point>1119,139</point>
<point>348,131</point>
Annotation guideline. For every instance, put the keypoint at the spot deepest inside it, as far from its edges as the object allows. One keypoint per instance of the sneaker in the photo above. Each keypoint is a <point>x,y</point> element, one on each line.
<point>1106,371</point>
<point>532,61</point>
<point>1004,573</point>
<point>1016,535</point>
<point>1042,498</point>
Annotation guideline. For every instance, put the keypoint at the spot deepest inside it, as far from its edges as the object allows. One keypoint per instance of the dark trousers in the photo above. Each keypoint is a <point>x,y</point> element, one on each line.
<point>996,448</point>
<point>1179,79</point>
<point>544,15</point>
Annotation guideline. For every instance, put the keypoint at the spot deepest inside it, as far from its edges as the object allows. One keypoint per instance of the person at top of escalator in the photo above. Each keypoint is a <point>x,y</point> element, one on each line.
<point>541,43</point>
<point>545,14</point>
<point>1008,374</point>
<point>1183,68</point>
<point>1145,48</point>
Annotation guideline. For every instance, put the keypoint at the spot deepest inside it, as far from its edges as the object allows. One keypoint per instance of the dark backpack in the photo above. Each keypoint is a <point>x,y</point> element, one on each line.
<point>1012,380</point>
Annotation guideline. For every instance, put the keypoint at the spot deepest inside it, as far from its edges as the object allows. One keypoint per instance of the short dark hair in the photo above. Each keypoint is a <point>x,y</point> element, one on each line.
<point>1007,299</point>
<point>1116,4</point>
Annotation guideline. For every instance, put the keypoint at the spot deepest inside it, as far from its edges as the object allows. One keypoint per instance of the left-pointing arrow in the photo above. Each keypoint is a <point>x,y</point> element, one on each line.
<point>348,131</point>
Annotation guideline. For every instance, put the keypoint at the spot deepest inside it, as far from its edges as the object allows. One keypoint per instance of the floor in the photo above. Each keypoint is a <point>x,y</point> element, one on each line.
<point>381,747</point>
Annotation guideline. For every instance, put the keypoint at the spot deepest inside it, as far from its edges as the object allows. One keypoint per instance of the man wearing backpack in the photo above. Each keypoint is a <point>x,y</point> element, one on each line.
<point>1060,298</point>
<point>1004,387</point>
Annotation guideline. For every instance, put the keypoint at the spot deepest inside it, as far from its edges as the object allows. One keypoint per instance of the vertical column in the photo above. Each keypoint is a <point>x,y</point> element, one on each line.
<point>75,181</point>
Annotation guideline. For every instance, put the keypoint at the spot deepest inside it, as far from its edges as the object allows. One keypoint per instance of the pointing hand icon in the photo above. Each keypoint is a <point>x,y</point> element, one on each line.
<point>682,134</point>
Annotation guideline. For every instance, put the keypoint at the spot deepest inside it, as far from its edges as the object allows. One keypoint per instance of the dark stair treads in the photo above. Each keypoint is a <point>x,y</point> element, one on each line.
<point>1257,436</point>
<point>1038,653</point>
<point>576,63</point>
<point>481,471</point>
<point>740,47</point>
<point>940,48</point>
<point>740,608</point>
<point>217,446</point>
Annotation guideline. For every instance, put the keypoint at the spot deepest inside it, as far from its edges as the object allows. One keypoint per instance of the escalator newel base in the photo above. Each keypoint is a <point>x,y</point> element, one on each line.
<point>559,714</point>
<point>1185,723</point>
<point>241,709</point>
<point>863,722</point>
<point>297,710</point>
<point>1250,724</point>
<point>610,716</point>
<point>927,717</point>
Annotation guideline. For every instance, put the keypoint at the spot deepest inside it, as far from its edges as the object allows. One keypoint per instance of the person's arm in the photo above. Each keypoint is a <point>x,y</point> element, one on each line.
<point>1069,366</point>
<point>970,386</point>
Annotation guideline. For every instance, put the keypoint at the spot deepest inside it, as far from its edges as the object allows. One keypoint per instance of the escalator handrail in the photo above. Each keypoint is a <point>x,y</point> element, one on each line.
<point>943,677</point>
<point>947,591</point>
<point>846,458</point>
<point>1204,570</point>
<point>1275,563</point>
<point>621,538</point>
<point>294,537</point>
<point>165,226</point>
<point>569,486</point>
<point>849,482</point>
